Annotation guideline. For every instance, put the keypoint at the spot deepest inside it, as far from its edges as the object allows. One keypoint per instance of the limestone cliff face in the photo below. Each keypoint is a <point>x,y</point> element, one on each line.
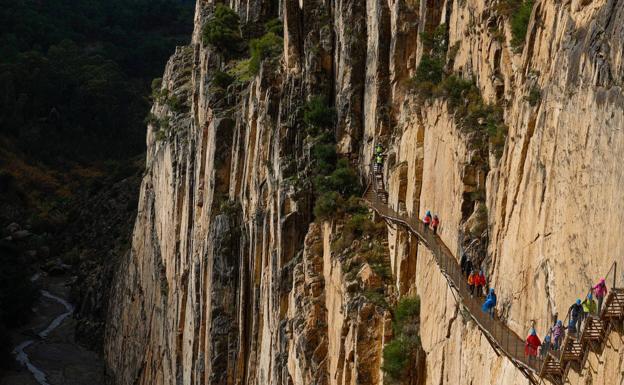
<point>228,282</point>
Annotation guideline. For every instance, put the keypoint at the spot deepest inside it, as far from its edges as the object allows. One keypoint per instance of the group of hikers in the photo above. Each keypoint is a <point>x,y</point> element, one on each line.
<point>478,284</point>
<point>431,222</point>
<point>578,313</point>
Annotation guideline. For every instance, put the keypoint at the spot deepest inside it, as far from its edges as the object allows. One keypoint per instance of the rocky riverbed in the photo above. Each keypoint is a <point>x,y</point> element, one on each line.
<point>46,350</point>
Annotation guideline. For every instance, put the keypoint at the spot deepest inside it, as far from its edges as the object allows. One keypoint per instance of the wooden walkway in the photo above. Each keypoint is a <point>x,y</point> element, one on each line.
<point>554,365</point>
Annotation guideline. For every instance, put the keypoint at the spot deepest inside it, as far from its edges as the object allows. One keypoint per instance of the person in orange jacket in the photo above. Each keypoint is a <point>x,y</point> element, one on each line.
<point>473,279</point>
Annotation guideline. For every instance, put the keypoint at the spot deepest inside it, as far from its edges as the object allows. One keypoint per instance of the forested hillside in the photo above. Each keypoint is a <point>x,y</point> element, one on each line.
<point>75,85</point>
<point>75,74</point>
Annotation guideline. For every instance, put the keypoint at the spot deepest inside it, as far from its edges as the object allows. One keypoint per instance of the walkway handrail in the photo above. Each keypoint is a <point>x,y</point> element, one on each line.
<point>566,320</point>
<point>502,338</point>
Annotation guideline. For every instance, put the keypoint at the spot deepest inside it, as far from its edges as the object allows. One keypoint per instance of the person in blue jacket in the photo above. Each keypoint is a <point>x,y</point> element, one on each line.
<point>490,303</point>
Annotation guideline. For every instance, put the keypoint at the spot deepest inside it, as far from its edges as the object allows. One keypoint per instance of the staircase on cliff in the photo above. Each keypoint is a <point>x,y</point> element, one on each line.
<point>554,365</point>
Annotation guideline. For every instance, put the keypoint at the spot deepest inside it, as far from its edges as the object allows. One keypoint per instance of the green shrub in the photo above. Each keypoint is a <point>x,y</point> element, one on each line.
<point>342,179</point>
<point>228,207</point>
<point>400,353</point>
<point>457,90</point>
<point>156,86</point>
<point>318,115</point>
<point>397,356</point>
<point>275,26</point>
<point>268,46</point>
<point>327,205</point>
<point>519,13</point>
<point>376,297</point>
<point>176,104</point>
<point>471,112</point>
<point>161,135</point>
<point>325,157</point>
<point>430,69</point>
<point>407,310</point>
<point>354,206</point>
<point>151,119</point>
<point>507,7</point>
<point>222,79</point>
<point>241,71</point>
<point>436,42</point>
<point>223,30</point>
<point>520,23</point>
<point>534,97</point>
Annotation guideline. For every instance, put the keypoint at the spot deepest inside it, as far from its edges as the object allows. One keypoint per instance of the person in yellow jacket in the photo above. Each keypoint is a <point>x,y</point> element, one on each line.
<point>589,307</point>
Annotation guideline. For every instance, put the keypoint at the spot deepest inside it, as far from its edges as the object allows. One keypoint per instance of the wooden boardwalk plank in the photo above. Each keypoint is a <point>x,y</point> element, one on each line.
<point>555,364</point>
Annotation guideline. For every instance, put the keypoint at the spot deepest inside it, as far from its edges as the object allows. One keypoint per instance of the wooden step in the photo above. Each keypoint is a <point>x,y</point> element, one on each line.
<point>551,366</point>
<point>594,330</point>
<point>556,364</point>
<point>613,306</point>
<point>572,349</point>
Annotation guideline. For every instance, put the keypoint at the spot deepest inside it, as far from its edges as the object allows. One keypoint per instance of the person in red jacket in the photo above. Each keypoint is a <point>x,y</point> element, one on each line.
<point>480,283</point>
<point>435,223</point>
<point>532,344</point>
<point>427,219</point>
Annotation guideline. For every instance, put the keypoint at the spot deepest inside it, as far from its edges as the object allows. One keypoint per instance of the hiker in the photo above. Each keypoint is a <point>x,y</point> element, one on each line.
<point>575,312</point>
<point>468,267</point>
<point>379,149</point>
<point>572,329</point>
<point>480,283</point>
<point>545,347</point>
<point>472,282</point>
<point>427,219</point>
<point>589,306</point>
<point>532,344</point>
<point>378,163</point>
<point>557,332</point>
<point>600,291</point>
<point>462,263</point>
<point>435,223</point>
<point>490,303</point>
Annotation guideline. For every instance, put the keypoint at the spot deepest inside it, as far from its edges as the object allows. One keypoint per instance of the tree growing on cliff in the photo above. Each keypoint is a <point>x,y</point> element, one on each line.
<point>403,355</point>
<point>318,115</point>
<point>268,46</point>
<point>223,30</point>
<point>519,14</point>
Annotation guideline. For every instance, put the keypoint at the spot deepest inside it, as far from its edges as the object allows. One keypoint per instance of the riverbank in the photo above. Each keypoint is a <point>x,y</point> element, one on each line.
<point>46,348</point>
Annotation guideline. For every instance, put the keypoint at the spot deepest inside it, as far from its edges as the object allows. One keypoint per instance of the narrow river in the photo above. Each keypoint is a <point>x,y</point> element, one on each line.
<point>46,349</point>
<point>22,357</point>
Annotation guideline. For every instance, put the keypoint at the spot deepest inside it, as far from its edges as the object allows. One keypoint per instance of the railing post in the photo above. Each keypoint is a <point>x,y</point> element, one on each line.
<point>614,274</point>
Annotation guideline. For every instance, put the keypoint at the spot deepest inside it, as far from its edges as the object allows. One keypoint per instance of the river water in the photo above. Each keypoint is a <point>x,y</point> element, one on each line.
<point>46,350</point>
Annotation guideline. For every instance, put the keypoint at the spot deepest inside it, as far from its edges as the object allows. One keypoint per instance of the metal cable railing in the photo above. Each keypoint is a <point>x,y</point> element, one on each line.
<point>571,343</point>
<point>502,338</point>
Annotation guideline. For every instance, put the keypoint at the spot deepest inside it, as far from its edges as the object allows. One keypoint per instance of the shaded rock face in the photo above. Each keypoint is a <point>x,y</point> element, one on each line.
<point>224,283</point>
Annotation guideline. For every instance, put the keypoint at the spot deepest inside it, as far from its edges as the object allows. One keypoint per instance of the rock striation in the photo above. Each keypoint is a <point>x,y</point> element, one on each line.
<point>229,280</point>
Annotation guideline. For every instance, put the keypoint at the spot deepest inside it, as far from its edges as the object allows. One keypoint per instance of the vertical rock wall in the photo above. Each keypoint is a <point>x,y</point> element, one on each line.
<point>228,283</point>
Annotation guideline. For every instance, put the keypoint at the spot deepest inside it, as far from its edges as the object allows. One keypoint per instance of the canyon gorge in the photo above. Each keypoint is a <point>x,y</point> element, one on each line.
<point>513,138</point>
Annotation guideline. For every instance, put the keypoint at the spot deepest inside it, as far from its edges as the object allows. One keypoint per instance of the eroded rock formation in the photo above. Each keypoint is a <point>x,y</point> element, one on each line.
<point>229,281</point>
